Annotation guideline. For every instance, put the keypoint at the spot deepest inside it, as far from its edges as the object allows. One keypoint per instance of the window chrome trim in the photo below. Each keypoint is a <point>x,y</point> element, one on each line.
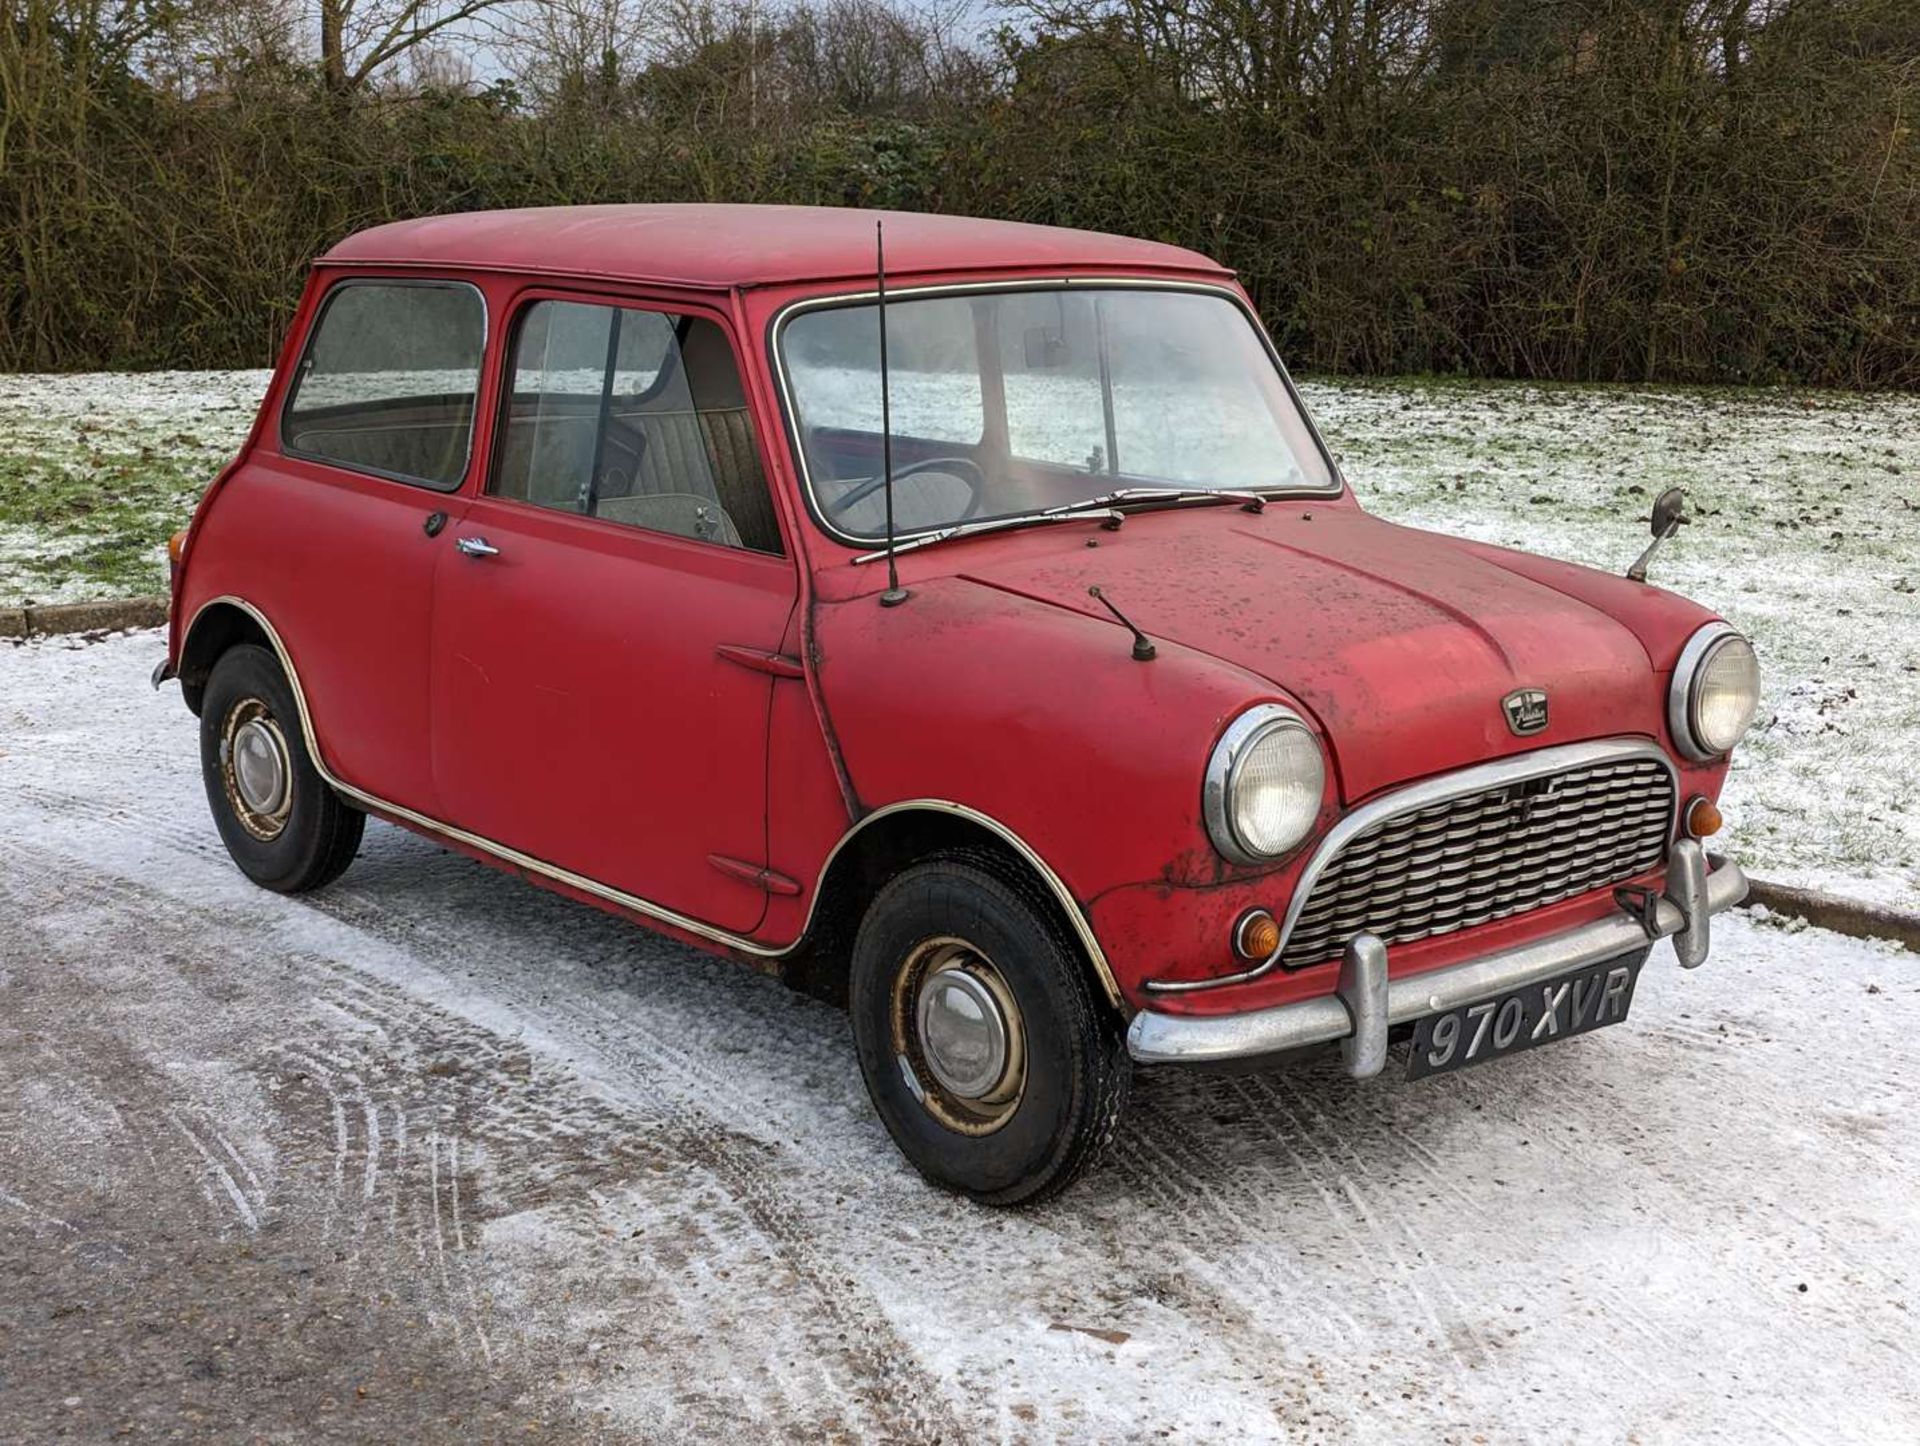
<point>287,449</point>
<point>790,413</point>
<point>1216,788</point>
<point>1499,773</point>
<point>1694,657</point>
<point>753,948</point>
<point>522,305</point>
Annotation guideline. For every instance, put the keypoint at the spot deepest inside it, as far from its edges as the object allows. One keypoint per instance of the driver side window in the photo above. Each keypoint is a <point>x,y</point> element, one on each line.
<point>935,408</point>
<point>636,417</point>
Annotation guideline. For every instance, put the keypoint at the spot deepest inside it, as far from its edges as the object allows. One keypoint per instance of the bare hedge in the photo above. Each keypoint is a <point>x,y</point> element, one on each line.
<point>1688,190</point>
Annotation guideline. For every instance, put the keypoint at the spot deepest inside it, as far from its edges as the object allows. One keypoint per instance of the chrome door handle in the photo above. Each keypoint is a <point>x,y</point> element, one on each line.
<point>476,547</point>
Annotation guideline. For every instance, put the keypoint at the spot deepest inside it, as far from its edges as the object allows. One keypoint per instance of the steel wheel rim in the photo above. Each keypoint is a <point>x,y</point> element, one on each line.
<point>959,1036</point>
<point>256,769</point>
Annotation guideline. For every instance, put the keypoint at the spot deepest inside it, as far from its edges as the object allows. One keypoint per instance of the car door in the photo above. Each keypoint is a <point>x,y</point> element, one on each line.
<point>342,509</point>
<point>604,616</point>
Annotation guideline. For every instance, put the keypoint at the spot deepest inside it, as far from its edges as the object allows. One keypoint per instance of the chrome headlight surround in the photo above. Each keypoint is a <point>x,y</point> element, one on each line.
<point>1247,739</point>
<point>1708,645</point>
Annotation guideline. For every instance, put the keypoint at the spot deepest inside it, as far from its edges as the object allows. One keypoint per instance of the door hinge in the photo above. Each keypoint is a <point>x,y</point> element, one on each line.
<point>768,881</point>
<point>761,661</point>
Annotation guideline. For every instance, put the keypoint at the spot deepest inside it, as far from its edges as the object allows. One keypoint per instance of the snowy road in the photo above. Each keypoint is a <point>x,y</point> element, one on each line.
<point>434,1155</point>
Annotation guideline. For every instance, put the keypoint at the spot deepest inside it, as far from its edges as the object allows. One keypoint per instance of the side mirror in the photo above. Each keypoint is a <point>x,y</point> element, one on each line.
<point>1669,516</point>
<point>1669,512</point>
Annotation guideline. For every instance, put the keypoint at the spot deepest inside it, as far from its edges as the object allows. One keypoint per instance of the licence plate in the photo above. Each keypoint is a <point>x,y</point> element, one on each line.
<point>1577,1002</point>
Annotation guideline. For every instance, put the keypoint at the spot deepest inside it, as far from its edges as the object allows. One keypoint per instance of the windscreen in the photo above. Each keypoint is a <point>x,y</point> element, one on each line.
<point>1014,402</point>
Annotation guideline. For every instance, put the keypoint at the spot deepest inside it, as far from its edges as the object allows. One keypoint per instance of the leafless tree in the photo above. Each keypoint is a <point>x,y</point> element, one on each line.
<point>572,48</point>
<point>360,37</point>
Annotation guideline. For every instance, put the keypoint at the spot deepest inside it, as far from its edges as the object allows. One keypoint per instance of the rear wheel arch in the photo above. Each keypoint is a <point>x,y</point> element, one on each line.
<point>215,628</point>
<point>894,839</point>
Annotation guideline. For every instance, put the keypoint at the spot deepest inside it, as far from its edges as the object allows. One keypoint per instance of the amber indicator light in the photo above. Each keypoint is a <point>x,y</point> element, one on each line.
<point>176,547</point>
<point>1703,819</point>
<point>1256,936</point>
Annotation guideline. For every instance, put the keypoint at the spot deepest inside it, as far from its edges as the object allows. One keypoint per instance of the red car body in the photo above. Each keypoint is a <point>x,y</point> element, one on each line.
<point>732,746</point>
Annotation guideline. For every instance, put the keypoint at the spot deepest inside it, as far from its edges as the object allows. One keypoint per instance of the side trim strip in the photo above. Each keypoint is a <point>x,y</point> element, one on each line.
<point>633,902</point>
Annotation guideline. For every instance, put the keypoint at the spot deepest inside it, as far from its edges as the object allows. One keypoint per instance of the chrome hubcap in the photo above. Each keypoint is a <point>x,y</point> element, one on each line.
<point>256,769</point>
<point>959,1036</point>
<point>963,1032</point>
<point>260,767</point>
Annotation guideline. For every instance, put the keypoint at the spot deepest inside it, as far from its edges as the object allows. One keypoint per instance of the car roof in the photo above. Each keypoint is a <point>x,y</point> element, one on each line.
<point>727,246</point>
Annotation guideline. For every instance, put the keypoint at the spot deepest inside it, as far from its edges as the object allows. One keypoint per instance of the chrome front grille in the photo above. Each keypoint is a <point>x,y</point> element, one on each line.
<point>1485,855</point>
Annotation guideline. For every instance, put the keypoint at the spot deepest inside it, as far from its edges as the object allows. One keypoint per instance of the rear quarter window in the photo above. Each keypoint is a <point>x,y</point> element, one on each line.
<point>388,381</point>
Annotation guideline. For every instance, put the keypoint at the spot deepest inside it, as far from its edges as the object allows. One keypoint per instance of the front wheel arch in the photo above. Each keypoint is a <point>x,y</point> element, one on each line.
<point>895,839</point>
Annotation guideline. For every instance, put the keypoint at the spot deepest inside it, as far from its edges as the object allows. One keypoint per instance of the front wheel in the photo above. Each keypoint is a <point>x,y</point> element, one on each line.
<point>283,825</point>
<point>991,1061</point>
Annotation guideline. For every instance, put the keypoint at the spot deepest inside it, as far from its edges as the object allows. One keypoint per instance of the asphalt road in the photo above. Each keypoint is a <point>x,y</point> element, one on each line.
<point>437,1156</point>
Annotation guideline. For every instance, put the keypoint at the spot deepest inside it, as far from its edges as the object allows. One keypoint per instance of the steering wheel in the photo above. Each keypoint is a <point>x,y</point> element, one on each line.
<point>961,467</point>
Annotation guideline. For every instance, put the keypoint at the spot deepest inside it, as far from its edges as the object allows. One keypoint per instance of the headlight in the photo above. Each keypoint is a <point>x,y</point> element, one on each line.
<point>1264,784</point>
<point>1715,692</point>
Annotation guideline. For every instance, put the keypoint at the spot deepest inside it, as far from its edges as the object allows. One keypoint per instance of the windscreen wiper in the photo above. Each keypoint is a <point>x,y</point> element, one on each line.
<point>1071,512</point>
<point>1108,504</point>
<point>1175,496</point>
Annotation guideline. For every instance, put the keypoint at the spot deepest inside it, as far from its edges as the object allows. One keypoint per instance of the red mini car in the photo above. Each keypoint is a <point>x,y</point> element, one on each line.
<point>992,644</point>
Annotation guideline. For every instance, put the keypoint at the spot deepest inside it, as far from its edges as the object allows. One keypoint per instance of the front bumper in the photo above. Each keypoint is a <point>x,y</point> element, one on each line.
<point>1368,1001</point>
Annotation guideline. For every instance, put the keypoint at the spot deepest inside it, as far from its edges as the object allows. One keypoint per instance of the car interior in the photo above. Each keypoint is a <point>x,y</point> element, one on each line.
<point>678,456</point>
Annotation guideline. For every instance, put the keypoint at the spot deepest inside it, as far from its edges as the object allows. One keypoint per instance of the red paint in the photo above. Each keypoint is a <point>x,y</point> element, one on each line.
<point>699,727</point>
<point>581,710</point>
<point>725,247</point>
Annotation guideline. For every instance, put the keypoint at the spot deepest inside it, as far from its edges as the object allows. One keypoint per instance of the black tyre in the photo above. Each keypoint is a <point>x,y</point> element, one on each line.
<point>996,1068</point>
<point>285,827</point>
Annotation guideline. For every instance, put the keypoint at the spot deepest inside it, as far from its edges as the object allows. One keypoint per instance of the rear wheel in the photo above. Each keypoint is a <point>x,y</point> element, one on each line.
<point>992,1063</point>
<point>283,825</point>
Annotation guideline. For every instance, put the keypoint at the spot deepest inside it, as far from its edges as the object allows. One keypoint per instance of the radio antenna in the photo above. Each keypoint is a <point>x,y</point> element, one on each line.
<point>895,594</point>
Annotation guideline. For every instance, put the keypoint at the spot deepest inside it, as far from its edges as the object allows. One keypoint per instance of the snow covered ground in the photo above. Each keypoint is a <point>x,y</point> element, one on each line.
<point>435,1156</point>
<point>1807,535</point>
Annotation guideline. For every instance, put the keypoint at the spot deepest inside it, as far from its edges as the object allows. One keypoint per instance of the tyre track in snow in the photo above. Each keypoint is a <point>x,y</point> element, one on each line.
<point>385,1188</point>
<point>1312,1117</point>
<point>227,1180</point>
<point>1265,1108</point>
<point>891,1396</point>
<point>903,1402</point>
<point>173,1137</point>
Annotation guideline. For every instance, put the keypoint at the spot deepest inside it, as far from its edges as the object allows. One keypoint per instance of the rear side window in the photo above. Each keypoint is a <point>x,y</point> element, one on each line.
<point>388,381</point>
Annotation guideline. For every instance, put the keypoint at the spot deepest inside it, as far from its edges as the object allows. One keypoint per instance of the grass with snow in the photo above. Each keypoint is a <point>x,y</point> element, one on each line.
<point>96,472</point>
<point>1806,535</point>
